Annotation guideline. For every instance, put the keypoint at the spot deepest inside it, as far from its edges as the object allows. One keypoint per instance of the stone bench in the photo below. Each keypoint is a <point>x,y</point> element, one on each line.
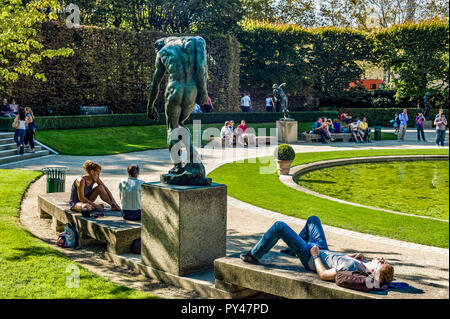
<point>88,110</point>
<point>344,137</point>
<point>280,275</point>
<point>117,233</point>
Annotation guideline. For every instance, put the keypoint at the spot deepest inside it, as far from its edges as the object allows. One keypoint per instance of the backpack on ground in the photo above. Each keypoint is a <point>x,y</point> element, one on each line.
<point>136,246</point>
<point>68,238</point>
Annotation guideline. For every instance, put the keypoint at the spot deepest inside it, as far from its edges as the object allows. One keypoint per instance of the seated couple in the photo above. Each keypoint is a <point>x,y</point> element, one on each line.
<point>83,193</point>
<point>240,136</point>
<point>311,247</point>
<point>321,127</point>
<point>360,130</point>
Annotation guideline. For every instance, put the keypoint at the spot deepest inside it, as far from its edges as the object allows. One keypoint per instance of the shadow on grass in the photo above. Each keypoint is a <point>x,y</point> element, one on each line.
<point>21,254</point>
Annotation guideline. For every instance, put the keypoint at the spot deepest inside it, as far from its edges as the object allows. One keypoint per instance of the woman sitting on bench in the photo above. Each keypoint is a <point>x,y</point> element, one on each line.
<point>84,194</point>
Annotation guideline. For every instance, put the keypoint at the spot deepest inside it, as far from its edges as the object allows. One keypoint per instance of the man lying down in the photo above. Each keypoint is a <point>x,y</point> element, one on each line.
<point>310,245</point>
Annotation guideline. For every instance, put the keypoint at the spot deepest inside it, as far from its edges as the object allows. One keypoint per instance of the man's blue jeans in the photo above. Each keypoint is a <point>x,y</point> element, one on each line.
<point>311,235</point>
<point>440,137</point>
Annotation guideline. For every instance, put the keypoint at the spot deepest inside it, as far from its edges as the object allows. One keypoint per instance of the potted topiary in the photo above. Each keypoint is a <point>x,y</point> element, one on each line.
<point>284,154</point>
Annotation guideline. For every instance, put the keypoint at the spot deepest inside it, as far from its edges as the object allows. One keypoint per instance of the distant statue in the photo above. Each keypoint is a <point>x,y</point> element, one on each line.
<point>280,97</point>
<point>428,105</point>
<point>184,59</point>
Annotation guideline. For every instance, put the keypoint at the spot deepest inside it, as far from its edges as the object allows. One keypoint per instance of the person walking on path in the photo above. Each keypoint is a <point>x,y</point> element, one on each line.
<point>419,126</point>
<point>269,104</point>
<point>20,126</point>
<point>441,126</point>
<point>208,107</point>
<point>403,117</point>
<point>311,247</point>
<point>246,103</point>
<point>31,128</point>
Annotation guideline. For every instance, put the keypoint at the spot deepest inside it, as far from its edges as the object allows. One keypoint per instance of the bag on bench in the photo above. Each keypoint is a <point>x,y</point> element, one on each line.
<point>357,281</point>
<point>68,238</point>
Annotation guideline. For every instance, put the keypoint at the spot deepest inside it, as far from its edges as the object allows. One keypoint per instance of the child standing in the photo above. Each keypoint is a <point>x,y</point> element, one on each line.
<point>419,126</point>
<point>130,194</point>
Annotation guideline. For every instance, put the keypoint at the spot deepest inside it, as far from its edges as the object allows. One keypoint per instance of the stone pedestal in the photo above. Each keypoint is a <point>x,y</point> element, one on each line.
<point>287,131</point>
<point>428,124</point>
<point>183,227</point>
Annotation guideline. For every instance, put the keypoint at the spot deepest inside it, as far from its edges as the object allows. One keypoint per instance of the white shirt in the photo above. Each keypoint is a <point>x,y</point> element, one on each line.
<point>130,193</point>
<point>226,132</point>
<point>245,101</point>
<point>197,109</point>
<point>269,101</point>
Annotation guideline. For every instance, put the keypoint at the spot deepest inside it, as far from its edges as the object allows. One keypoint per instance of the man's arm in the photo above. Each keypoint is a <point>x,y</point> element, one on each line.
<point>322,271</point>
<point>152,113</point>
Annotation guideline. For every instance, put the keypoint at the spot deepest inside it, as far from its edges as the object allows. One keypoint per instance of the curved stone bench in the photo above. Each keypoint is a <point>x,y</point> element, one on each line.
<point>117,233</point>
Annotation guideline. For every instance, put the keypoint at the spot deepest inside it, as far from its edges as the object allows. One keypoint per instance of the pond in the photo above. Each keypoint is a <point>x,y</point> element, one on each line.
<point>420,188</point>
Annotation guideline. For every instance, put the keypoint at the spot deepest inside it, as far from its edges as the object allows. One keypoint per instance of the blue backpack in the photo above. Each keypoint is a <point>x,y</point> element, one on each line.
<point>68,238</point>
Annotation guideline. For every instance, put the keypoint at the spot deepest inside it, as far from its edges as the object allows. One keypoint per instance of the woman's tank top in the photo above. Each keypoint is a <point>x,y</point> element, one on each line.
<point>74,192</point>
<point>22,125</point>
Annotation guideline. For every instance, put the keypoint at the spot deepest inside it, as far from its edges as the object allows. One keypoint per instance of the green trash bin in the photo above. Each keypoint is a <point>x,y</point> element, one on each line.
<point>56,179</point>
<point>377,136</point>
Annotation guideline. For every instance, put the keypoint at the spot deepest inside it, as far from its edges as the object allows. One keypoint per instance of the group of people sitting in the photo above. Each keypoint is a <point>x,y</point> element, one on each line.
<point>346,124</point>
<point>231,135</point>
<point>10,110</point>
<point>87,188</point>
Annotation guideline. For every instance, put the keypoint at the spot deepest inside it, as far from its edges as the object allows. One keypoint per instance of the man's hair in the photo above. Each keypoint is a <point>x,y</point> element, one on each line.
<point>91,166</point>
<point>133,170</point>
<point>386,274</point>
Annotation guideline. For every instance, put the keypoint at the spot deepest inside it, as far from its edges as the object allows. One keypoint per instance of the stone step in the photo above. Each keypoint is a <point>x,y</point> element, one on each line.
<point>6,135</point>
<point>13,151</point>
<point>25,156</point>
<point>13,146</point>
<point>6,140</point>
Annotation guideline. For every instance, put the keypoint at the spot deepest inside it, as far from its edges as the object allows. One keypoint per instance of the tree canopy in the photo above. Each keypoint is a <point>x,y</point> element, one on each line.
<point>20,47</point>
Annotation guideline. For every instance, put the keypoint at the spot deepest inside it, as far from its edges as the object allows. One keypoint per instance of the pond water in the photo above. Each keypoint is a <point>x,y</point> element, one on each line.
<point>420,188</point>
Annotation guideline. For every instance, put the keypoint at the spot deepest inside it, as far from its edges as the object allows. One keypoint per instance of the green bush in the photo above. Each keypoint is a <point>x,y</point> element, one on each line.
<point>114,67</point>
<point>112,120</point>
<point>284,152</point>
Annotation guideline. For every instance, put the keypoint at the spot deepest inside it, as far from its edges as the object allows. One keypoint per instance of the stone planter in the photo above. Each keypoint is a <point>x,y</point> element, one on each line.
<point>283,167</point>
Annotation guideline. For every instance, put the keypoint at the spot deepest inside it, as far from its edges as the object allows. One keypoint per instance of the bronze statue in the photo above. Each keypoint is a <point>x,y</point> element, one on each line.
<point>185,60</point>
<point>280,97</point>
<point>428,105</point>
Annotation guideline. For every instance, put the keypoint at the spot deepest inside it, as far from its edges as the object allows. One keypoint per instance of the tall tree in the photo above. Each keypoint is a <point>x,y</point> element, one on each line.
<point>171,16</point>
<point>301,12</point>
<point>20,46</point>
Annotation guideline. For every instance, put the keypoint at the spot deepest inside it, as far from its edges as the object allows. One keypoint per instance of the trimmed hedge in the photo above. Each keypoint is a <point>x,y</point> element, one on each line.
<point>114,67</point>
<point>381,117</point>
<point>319,64</point>
<point>108,120</point>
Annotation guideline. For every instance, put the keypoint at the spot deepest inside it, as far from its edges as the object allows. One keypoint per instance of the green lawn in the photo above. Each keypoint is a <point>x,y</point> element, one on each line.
<point>31,269</point>
<point>245,182</point>
<point>115,140</point>
<point>124,139</point>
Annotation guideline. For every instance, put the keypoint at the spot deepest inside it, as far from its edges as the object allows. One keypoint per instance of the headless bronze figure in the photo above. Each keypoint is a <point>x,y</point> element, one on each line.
<point>185,60</point>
